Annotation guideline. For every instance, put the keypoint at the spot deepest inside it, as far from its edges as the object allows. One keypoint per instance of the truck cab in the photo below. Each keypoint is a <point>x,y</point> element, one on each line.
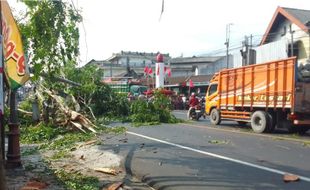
<point>212,95</point>
<point>211,98</point>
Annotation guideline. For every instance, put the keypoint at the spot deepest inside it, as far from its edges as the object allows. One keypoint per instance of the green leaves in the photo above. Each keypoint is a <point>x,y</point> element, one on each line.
<point>152,112</point>
<point>51,34</point>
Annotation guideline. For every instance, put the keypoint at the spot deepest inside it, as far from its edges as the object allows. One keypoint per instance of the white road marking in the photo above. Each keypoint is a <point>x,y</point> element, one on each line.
<point>219,156</point>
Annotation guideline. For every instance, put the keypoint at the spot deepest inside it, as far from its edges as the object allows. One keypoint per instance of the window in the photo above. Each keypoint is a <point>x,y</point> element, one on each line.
<point>284,31</point>
<point>212,89</point>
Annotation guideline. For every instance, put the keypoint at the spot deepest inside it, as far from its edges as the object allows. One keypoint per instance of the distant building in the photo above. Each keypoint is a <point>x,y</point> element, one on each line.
<point>190,66</point>
<point>126,62</point>
<point>135,59</point>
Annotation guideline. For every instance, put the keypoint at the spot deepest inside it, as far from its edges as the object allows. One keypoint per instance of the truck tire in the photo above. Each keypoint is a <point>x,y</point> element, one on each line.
<point>260,122</point>
<point>215,116</point>
<point>272,126</point>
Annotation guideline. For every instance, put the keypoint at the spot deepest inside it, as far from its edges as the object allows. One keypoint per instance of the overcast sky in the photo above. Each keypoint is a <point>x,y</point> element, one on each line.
<point>187,27</point>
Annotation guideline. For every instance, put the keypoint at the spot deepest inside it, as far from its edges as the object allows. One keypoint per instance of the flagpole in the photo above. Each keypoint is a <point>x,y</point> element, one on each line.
<point>147,80</point>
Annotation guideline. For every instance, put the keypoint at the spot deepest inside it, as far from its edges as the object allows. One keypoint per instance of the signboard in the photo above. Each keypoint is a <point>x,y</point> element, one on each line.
<point>15,66</point>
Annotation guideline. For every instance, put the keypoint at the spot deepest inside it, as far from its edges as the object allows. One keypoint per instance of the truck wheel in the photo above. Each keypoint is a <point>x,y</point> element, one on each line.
<point>215,116</point>
<point>272,126</point>
<point>260,122</point>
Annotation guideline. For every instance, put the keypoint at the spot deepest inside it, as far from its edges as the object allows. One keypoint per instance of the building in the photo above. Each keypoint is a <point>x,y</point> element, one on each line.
<point>190,66</point>
<point>290,27</point>
<point>195,70</point>
<point>126,62</point>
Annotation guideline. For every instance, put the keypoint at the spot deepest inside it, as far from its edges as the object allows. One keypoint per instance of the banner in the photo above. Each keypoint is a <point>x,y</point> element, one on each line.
<point>15,66</point>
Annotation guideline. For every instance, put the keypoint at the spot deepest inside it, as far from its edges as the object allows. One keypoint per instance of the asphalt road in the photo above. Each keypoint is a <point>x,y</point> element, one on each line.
<point>199,156</point>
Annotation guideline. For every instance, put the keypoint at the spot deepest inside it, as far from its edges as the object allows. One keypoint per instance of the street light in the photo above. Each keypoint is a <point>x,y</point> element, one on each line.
<point>227,42</point>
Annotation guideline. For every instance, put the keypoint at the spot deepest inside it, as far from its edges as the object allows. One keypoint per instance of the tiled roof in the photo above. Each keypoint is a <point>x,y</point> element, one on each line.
<point>201,78</point>
<point>140,55</point>
<point>302,15</point>
<point>183,60</point>
<point>176,80</point>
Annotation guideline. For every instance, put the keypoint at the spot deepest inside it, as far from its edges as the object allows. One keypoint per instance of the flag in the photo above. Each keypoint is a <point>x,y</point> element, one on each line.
<point>15,66</point>
<point>150,71</point>
<point>191,84</point>
<point>146,69</point>
<point>168,71</point>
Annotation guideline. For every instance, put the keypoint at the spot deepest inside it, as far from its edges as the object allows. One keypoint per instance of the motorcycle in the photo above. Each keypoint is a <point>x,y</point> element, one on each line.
<point>196,112</point>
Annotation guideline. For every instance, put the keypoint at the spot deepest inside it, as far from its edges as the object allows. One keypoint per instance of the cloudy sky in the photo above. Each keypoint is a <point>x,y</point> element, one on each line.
<point>186,27</point>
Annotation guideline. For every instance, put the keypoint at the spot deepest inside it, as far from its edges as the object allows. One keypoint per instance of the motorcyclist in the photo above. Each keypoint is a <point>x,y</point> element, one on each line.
<point>193,101</point>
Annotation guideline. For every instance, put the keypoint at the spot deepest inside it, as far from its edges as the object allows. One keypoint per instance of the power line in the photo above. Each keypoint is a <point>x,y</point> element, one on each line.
<point>256,40</point>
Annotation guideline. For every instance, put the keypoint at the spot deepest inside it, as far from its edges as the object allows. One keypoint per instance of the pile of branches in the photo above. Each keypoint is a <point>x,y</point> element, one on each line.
<point>60,110</point>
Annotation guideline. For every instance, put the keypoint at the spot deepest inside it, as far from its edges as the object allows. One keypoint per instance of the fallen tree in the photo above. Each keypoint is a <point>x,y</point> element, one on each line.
<point>63,114</point>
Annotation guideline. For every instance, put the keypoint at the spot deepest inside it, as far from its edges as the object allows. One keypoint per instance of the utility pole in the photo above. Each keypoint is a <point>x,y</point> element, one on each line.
<point>292,41</point>
<point>245,51</point>
<point>111,70</point>
<point>249,46</point>
<point>227,43</point>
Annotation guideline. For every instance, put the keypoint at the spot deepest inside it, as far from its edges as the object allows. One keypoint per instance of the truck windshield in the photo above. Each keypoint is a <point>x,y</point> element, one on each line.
<point>212,89</point>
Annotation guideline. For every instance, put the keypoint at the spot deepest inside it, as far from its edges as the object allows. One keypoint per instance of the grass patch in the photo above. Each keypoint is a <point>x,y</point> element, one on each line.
<point>139,124</point>
<point>29,167</point>
<point>76,181</point>
<point>278,138</point>
<point>30,151</point>
<point>67,141</point>
<point>39,133</point>
<point>60,154</point>
<point>115,130</point>
<point>306,144</point>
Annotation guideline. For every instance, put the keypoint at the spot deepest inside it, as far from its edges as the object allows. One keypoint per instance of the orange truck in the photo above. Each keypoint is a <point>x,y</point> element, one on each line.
<point>267,95</point>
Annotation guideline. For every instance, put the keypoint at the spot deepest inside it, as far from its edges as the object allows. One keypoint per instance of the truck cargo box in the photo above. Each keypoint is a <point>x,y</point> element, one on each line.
<point>268,85</point>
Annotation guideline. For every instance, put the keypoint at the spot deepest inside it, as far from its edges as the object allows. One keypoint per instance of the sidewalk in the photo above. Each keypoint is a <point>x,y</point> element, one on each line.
<point>84,160</point>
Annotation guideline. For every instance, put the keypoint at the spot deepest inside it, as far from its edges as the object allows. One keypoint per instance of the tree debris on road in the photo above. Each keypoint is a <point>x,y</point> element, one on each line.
<point>290,178</point>
<point>116,186</point>
<point>107,171</point>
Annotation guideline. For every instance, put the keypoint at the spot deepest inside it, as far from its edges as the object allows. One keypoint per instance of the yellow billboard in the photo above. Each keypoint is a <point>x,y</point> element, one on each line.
<point>15,66</point>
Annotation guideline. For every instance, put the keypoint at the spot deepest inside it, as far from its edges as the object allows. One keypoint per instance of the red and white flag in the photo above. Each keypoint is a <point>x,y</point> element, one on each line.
<point>146,69</point>
<point>191,84</point>
<point>150,71</point>
<point>168,71</point>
